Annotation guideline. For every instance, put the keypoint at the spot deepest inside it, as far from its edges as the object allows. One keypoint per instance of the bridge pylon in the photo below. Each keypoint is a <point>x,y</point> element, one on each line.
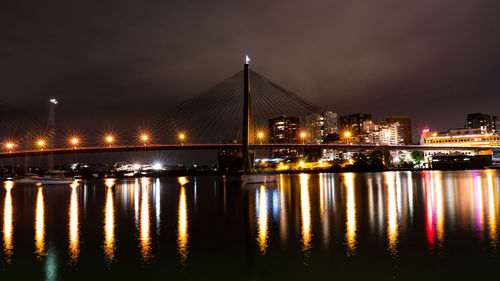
<point>246,118</point>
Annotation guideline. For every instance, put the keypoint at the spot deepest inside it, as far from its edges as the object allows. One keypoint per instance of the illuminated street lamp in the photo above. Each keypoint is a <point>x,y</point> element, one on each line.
<point>260,136</point>
<point>347,136</point>
<point>109,139</point>
<point>9,146</point>
<point>74,141</point>
<point>144,139</point>
<point>41,144</point>
<point>303,136</point>
<point>182,137</point>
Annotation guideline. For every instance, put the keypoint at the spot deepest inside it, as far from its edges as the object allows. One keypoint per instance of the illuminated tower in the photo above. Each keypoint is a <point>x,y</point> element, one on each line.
<point>246,117</point>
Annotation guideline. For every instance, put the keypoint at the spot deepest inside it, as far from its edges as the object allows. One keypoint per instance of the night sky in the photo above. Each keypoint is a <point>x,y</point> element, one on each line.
<point>115,61</point>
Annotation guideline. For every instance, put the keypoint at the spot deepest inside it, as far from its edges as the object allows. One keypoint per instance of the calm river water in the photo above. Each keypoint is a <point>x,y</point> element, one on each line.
<point>383,226</point>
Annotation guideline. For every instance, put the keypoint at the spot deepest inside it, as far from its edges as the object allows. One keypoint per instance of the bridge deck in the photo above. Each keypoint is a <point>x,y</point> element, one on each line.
<point>178,147</point>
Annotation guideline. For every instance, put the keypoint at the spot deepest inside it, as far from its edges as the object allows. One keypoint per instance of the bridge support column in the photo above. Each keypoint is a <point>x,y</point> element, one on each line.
<point>246,119</point>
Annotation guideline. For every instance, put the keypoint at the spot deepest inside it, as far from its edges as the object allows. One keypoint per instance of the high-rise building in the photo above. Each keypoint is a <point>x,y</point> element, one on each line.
<point>320,125</point>
<point>486,122</point>
<point>381,133</point>
<point>354,122</point>
<point>404,128</point>
<point>284,129</point>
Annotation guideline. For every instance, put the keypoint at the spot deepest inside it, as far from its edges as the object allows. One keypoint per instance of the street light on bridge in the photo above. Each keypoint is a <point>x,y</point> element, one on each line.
<point>9,146</point>
<point>303,136</point>
<point>145,139</point>
<point>347,136</point>
<point>109,139</point>
<point>182,137</point>
<point>260,136</point>
<point>41,143</point>
<point>74,141</point>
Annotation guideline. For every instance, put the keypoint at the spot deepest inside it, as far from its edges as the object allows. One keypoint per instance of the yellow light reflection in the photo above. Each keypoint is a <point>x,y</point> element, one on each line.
<point>7,222</point>
<point>392,214</point>
<point>40,225</point>
<point>145,230</point>
<point>492,210</point>
<point>439,208</point>
<point>183,235</point>
<point>182,180</point>
<point>109,224</point>
<point>283,214</point>
<point>306,212</point>
<point>74,235</point>
<point>479,204</point>
<point>109,182</point>
<point>262,220</point>
<point>350,214</point>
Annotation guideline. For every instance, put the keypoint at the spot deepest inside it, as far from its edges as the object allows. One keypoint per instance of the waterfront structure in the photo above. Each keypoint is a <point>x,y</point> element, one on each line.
<point>458,160</point>
<point>404,128</point>
<point>320,125</point>
<point>485,122</point>
<point>354,122</point>
<point>459,138</point>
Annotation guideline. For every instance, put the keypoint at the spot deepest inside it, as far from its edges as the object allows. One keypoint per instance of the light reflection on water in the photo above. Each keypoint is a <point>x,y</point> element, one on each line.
<point>262,220</point>
<point>109,222</point>
<point>8,228</point>
<point>302,215</point>
<point>74,235</point>
<point>351,220</point>
<point>492,209</point>
<point>145,237</point>
<point>40,225</point>
<point>392,213</point>
<point>305,210</point>
<point>182,237</point>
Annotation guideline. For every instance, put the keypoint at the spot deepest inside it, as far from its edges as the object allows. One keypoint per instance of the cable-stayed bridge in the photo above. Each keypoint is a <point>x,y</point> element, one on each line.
<point>217,115</point>
<point>227,116</point>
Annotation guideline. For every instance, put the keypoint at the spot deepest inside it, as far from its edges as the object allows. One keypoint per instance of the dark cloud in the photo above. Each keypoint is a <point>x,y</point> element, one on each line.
<point>112,61</point>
